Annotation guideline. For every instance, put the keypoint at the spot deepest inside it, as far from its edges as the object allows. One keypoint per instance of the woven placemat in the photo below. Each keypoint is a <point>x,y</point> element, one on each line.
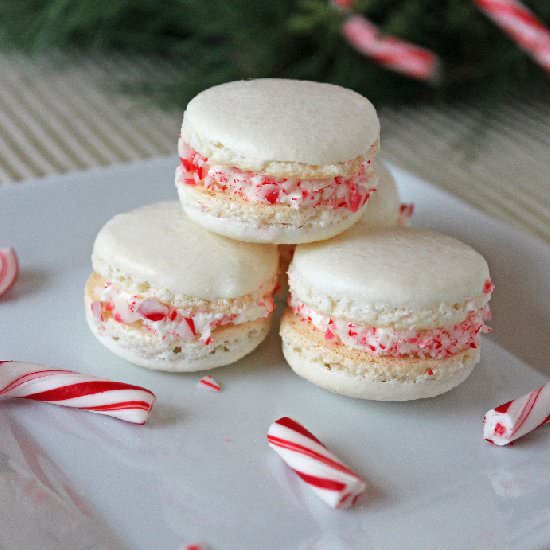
<point>63,113</point>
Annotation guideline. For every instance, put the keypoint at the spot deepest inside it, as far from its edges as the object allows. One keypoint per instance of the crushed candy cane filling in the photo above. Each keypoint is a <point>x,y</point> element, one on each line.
<point>435,343</point>
<point>349,192</point>
<point>169,322</point>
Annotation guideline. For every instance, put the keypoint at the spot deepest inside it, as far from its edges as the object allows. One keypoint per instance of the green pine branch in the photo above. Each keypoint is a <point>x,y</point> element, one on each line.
<point>224,40</point>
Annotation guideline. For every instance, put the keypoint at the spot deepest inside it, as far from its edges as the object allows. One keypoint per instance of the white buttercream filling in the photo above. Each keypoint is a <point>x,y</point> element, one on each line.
<point>350,191</point>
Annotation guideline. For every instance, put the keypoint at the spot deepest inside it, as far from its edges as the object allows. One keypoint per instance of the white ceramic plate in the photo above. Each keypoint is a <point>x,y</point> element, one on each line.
<point>201,470</point>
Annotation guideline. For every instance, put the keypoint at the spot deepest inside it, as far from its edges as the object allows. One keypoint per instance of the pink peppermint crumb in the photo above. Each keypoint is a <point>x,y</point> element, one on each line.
<point>208,383</point>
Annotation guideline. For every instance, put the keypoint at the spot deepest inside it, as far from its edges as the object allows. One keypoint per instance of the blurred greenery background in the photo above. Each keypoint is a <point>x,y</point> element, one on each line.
<point>222,40</point>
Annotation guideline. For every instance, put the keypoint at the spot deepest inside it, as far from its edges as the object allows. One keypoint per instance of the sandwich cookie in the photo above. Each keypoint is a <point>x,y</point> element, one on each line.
<point>388,314</point>
<point>383,207</point>
<point>278,161</point>
<point>168,295</point>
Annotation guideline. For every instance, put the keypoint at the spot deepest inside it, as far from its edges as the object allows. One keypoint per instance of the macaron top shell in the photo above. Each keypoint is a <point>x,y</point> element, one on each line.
<point>253,122</point>
<point>158,245</point>
<point>383,205</point>
<point>399,267</point>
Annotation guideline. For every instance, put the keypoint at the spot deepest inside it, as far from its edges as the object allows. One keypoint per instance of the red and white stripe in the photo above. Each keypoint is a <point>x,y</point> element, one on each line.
<point>9,269</point>
<point>394,53</point>
<point>523,27</point>
<point>208,383</point>
<point>343,5</point>
<point>331,479</point>
<point>71,389</point>
<point>518,417</point>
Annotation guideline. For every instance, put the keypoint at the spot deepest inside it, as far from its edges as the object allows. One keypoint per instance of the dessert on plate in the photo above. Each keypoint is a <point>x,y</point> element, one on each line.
<point>383,206</point>
<point>386,313</point>
<point>278,161</point>
<point>168,295</point>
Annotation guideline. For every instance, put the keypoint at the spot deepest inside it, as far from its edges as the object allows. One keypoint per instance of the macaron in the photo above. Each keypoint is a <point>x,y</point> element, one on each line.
<point>384,206</point>
<point>389,314</point>
<point>166,294</point>
<point>277,161</point>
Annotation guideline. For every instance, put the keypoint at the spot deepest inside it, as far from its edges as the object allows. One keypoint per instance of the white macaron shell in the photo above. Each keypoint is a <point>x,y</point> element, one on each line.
<point>266,120</point>
<point>397,267</point>
<point>382,208</point>
<point>159,245</point>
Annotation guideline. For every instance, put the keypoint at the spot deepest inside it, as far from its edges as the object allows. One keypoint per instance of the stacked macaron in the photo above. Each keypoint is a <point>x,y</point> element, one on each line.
<point>168,295</point>
<point>386,314</point>
<point>383,207</point>
<point>277,161</point>
<point>376,310</point>
<point>267,161</point>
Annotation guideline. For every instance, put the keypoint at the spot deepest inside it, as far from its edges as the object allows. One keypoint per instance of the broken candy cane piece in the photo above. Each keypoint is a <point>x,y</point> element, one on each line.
<point>518,417</point>
<point>332,480</point>
<point>9,269</point>
<point>488,286</point>
<point>209,383</point>
<point>71,389</point>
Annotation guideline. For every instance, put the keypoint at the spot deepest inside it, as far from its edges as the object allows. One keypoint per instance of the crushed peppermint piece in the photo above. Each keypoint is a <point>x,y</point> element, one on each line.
<point>208,383</point>
<point>348,192</point>
<point>512,420</point>
<point>488,286</point>
<point>170,323</point>
<point>435,343</point>
<point>406,211</point>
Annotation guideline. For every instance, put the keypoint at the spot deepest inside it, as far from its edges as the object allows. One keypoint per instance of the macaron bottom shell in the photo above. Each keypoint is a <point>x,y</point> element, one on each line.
<point>356,373</point>
<point>259,223</point>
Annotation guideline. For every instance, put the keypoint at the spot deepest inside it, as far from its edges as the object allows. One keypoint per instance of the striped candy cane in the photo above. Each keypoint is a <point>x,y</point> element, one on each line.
<point>9,269</point>
<point>396,54</point>
<point>332,480</point>
<point>71,389</point>
<point>518,417</point>
<point>343,5</point>
<point>520,23</point>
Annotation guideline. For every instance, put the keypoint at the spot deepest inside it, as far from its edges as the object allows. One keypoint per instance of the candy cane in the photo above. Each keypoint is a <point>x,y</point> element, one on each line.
<point>9,269</point>
<point>208,383</point>
<point>332,480</point>
<point>518,417</point>
<point>343,5</point>
<point>389,51</point>
<point>71,389</point>
<point>524,28</point>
